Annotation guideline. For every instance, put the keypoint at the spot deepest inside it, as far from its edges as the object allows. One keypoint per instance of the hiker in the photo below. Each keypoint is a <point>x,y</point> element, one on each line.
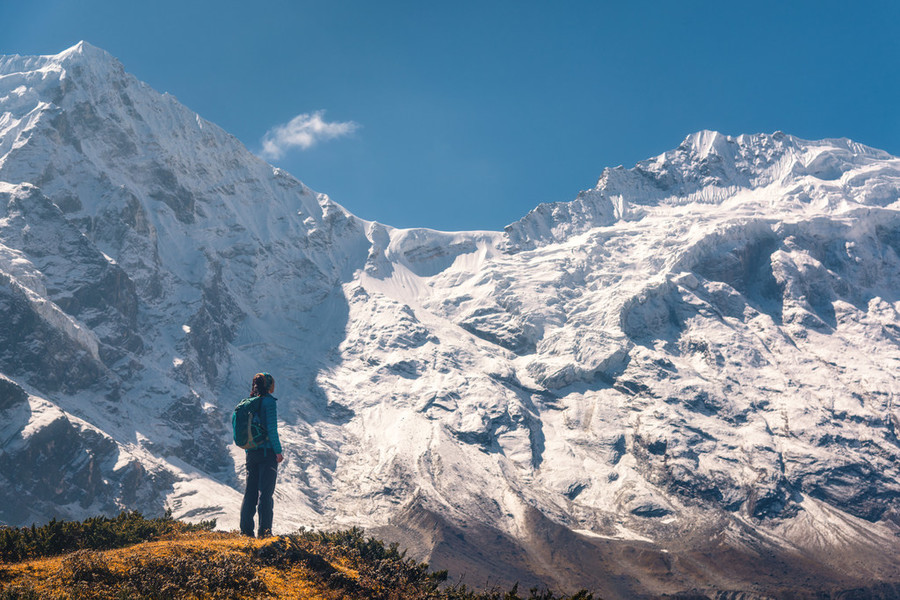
<point>262,462</point>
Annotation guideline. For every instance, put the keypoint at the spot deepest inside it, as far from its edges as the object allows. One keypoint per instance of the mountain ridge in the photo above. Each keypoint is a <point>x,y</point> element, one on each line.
<point>694,357</point>
<point>716,158</point>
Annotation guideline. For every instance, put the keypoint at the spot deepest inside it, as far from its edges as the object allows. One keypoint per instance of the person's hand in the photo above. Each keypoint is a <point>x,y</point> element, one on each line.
<point>279,458</point>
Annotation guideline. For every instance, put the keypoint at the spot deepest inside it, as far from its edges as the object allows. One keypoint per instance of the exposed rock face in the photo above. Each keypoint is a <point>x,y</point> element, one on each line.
<point>11,395</point>
<point>682,380</point>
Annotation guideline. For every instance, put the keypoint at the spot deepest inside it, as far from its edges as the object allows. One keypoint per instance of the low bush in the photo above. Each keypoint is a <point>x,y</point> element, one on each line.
<point>20,592</point>
<point>383,572</point>
<point>98,533</point>
<point>337,565</point>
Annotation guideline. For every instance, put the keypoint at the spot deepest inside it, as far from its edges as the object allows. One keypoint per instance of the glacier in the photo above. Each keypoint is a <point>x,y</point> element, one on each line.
<point>681,380</point>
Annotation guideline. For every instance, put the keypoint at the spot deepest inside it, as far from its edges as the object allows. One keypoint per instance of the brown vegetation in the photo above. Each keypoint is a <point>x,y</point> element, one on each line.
<point>188,563</point>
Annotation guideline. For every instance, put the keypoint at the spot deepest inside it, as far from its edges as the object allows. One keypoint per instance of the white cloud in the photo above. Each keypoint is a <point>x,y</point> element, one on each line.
<point>303,131</point>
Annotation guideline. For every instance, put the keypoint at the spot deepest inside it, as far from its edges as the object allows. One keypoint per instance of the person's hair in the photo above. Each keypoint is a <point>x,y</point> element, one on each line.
<point>262,383</point>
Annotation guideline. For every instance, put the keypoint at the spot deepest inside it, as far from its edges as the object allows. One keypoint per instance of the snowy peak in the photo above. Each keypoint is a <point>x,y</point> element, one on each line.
<point>754,156</point>
<point>711,168</point>
<point>83,51</point>
<point>703,143</point>
<point>76,120</point>
<point>80,57</point>
<point>80,53</point>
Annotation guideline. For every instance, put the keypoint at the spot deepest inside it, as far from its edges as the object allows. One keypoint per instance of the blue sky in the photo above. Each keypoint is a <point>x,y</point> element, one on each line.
<point>466,115</point>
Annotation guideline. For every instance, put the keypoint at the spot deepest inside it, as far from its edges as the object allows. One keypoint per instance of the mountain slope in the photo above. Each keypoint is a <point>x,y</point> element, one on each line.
<point>679,379</point>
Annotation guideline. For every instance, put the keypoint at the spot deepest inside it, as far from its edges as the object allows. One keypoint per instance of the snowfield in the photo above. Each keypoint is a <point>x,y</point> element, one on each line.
<point>677,380</point>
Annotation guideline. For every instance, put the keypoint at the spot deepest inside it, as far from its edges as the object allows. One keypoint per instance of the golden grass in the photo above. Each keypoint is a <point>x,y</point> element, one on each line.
<point>51,578</point>
<point>198,564</point>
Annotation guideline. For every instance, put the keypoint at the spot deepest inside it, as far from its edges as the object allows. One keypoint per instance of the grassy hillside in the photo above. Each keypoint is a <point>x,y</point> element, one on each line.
<point>131,557</point>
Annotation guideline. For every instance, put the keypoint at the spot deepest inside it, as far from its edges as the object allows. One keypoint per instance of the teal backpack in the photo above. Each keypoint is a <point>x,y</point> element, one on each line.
<point>248,428</point>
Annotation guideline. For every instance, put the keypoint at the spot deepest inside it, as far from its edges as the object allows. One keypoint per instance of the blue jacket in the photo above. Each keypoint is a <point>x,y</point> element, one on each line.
<point>268,414</point>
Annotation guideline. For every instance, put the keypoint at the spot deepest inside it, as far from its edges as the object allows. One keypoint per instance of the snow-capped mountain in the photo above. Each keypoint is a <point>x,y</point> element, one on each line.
<point>682,379</point>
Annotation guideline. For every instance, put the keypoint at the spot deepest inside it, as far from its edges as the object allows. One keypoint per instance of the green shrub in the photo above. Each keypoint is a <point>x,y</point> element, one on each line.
<point>85,567</point>
<point>201,573</point>
<point>19,592</point>
<point>190,573</point>
<point>384,572</point>
<point>461,592</point>
<point>97,533</point>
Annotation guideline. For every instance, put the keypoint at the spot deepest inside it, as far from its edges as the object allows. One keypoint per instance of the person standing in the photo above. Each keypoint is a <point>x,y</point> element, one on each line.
<point>262,462</point>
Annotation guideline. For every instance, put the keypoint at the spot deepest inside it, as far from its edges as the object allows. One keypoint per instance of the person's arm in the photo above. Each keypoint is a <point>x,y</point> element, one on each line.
<point>271,413</point>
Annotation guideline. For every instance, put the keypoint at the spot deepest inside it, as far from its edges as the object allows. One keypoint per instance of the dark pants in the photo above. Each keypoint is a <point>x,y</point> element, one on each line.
<point>261,471</point>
